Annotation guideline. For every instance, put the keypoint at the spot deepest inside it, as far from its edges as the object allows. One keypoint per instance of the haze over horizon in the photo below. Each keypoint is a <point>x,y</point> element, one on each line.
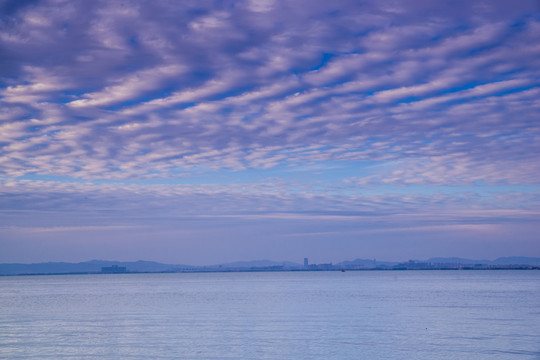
<point>204,132</point>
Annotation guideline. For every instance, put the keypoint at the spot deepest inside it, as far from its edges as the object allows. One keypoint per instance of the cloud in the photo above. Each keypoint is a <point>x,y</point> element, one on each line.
<point>130,87</point>
<point>75,229</point>
<point>207,101</point>
<point>37,85</point>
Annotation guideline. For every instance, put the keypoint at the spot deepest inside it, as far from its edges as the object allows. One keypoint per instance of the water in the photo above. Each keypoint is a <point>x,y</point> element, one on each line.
<point>284,315</point>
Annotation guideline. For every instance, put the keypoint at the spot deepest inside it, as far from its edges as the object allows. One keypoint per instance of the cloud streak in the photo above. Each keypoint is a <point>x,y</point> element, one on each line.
<point>269,105</point>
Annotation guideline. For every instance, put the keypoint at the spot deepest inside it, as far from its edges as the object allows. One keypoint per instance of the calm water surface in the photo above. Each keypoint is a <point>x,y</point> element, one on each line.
<point>286,315</point>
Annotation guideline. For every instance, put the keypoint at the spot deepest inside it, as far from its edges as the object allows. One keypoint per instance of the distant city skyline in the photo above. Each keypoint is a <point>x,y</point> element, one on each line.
<point>213,132</point>
<point>141,266</point>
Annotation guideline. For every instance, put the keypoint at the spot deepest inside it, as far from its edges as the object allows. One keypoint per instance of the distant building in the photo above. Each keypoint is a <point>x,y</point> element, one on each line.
<point>329,266</point>
<point>306,262</point>
<point>115,269</point>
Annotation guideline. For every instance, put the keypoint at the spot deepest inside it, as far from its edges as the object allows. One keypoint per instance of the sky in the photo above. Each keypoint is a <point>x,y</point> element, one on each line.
<point>203,132</point>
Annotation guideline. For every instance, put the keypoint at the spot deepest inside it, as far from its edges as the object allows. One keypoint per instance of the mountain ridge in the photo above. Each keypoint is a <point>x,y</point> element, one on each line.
<point>95,266</point>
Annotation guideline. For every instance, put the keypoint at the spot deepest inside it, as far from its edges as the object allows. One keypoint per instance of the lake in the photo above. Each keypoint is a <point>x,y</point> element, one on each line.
<point>273,315</point>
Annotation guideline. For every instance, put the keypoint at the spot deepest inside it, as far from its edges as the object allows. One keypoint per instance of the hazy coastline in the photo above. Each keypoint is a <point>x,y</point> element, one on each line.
<point>101,266</point>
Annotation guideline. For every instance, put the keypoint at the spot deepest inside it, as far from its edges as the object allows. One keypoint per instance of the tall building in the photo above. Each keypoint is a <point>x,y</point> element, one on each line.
<point>306,262</point>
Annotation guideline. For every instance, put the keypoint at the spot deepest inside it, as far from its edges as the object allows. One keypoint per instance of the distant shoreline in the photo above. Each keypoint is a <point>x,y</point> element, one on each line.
<point>494,268</point>
<point>142,267</point>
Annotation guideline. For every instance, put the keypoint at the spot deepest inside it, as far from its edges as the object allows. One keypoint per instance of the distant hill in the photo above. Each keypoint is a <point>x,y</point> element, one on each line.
<point>95,266</point>
<point>516,260</point>
<point>92,266</point>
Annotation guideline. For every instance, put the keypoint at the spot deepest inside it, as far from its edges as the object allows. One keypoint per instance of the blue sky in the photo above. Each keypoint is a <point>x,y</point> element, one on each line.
<point>201,132</point>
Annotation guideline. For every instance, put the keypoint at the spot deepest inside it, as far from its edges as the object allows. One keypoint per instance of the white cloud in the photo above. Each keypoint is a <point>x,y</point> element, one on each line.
<point>212,90</point>
<point>130,87</point>
<point>38,85</point>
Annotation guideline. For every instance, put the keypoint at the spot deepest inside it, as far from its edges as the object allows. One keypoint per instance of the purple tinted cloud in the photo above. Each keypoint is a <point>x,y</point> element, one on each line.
<point>268,107</point>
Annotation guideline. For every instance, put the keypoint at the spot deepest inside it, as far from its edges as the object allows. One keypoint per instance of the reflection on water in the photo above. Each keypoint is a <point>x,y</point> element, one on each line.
<point>283,315</point>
